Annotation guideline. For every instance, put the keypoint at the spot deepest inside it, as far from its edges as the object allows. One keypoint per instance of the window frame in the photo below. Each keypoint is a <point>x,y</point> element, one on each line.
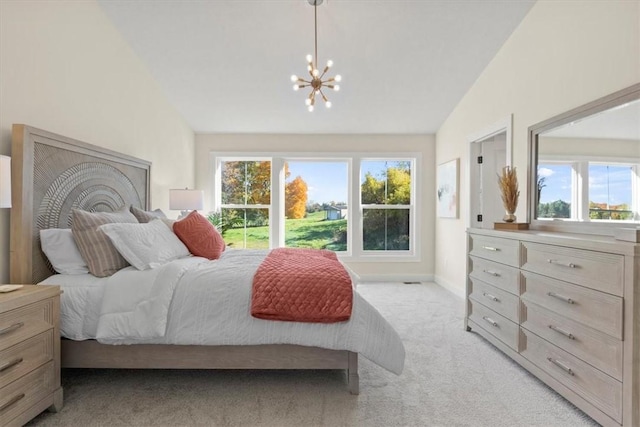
<point>355,251</point>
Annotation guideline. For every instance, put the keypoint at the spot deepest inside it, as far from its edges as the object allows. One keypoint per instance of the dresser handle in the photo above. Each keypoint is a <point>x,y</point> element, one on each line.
<point>561,297</point>
<point>490,248</point>
<point>11,328</point>
<point>491,272</point>
<point>490,320</point>
<point>561,365</point>
<point>11,402</point>
<point>563,332</point>
<point>491,297</point>
<point>10,364</point>
<point>564,264</point>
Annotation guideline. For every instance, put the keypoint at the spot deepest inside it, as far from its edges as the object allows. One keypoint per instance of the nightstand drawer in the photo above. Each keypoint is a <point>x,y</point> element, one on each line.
<point>25,322</point>
<point>600,350</point>
<point>504,251</point>
<point>25,357</point>
<point>499,326</point>
<point>21,394</point>
<point>496,299</point>
<point>500,275</point>
<point>598,388</point>
<point>596,270</point>
<point>597,310</point>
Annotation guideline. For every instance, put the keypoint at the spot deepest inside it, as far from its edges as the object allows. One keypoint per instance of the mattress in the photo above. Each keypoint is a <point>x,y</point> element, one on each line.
<point>80,304</point>
<point>194,301</point>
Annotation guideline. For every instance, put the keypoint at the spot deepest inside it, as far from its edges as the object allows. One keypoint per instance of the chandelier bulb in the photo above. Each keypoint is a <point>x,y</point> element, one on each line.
<point>315,73</point>
<point>307,102</point>
<point>309,58</point>
<point>296,87</point>
<point>338,78</point>
<point>336,88</point>
<point>328,104</point>
<point>329,63</point>
<point>310,108</point>
<point>294,78</point>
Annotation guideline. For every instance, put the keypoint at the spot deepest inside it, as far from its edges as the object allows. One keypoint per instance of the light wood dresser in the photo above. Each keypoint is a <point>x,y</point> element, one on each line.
<point>564,306</point>
<point>29,353</point>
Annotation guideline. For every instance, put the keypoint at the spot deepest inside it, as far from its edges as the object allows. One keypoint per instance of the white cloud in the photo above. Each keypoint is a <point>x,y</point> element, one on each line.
<point>545,172</point>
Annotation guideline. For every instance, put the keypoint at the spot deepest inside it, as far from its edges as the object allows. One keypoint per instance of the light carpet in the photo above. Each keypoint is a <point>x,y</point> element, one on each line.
<point>451,378</point>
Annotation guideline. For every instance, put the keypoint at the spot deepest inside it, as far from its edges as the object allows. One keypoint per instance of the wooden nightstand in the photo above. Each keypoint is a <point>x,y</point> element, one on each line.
<point>29,353</point>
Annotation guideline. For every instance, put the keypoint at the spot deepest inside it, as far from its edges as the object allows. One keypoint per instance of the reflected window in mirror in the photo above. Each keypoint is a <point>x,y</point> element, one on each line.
<point>585,166</point>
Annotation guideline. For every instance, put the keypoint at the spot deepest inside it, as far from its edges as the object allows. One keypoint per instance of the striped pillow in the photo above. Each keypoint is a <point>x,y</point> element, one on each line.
<point>96,248</point>
<point>146,216</point>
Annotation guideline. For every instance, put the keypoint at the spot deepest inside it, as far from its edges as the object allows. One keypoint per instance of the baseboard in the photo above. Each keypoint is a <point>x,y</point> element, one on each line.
<point>456,290</point>
<point>395,278</point>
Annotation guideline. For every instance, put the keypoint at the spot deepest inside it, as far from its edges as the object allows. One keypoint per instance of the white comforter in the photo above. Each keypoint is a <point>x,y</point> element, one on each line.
<point>196,301</point>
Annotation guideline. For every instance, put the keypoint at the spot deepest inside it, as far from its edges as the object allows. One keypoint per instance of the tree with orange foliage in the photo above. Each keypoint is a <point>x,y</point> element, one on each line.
<point>296,198</point>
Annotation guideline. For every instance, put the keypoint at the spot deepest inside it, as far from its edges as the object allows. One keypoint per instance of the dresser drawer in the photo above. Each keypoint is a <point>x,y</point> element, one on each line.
<point>499,326</point>
<point>499,275</point>
<point>596,270</point>
<point>25,357</point>
<point>21,394</point>
<point>598,388</point>
<point>595,348</point>
<point>496,299</point>
<point>25,322</point>
<point>597,310</point>
<point>504,251</point>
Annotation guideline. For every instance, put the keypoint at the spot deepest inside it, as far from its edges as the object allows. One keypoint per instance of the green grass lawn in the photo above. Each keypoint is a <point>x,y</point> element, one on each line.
<point>310,232</point>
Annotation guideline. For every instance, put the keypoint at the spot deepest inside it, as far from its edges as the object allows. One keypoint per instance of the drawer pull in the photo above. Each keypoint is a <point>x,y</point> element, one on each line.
<point>490,248</point>
<point>11,363</point>
<point>490,320</point>
<point>561,365</point>
<point>491,297</point>
<point>491,272</point>
<point>564,264</point>
<point>561,297</point>
<point>11,402</point>
<point>11,328</point>
<point>563,332</point>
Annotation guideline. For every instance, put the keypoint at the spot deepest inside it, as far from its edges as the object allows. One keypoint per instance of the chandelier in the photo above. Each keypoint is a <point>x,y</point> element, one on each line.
<point>316,82</point>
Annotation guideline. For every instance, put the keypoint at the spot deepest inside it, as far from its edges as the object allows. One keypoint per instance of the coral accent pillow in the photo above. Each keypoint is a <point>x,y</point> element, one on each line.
<point>200,236</point>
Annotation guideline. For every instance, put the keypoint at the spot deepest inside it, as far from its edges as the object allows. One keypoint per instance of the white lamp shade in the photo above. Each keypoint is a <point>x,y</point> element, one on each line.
<point>185,199</point>
<point>5,181</point>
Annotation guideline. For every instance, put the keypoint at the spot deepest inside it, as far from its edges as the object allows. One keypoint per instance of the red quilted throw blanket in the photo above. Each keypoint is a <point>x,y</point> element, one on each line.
<point>302,285</point>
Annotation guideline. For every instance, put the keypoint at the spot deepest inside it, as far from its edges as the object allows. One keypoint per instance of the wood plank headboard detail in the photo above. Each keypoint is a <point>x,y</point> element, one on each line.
<point>52,174</point>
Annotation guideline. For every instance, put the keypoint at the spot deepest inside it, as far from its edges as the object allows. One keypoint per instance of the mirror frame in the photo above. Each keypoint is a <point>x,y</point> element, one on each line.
<point>620,97</point>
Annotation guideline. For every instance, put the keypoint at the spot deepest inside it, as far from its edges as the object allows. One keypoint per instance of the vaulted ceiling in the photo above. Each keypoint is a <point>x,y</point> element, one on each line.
<point>226,65</point>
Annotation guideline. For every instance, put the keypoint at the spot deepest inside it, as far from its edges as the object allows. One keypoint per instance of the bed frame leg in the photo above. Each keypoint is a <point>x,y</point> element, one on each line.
<point>353,379</point>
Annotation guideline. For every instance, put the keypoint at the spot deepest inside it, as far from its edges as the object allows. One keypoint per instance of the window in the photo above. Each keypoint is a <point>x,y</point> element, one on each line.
<point>386,203</point>
<point>610,191</point>
<point>357,206</point>
<point>245,203</point>
<point>555,190</point>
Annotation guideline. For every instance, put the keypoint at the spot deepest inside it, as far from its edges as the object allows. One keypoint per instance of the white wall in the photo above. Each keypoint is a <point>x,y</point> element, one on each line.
<point>425,144</point>
<point>564,54</point>
<point>64,68</point>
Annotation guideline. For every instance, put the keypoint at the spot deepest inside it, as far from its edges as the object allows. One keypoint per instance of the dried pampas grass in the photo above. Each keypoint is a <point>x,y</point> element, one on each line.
<point>508,183</point>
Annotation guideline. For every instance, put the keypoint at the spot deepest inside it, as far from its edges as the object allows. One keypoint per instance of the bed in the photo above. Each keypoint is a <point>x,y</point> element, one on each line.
<point>52,175</point>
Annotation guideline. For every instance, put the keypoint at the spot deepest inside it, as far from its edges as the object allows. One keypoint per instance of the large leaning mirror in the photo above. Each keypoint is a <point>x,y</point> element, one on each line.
<point>585,167</point>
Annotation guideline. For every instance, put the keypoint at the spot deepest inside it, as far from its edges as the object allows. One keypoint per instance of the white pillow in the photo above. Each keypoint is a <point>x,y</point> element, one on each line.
<point>61,250</point>
<point>147,245</point>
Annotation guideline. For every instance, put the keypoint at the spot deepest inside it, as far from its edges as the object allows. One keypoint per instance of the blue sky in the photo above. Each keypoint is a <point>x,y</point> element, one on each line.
<point>606,185</point>
<point>328,181</point>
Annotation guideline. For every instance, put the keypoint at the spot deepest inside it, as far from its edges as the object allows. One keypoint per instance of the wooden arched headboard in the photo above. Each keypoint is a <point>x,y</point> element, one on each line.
<point>52,174</point>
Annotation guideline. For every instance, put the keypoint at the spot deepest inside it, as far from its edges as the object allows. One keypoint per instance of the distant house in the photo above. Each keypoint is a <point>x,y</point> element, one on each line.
<point>335,212</point>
